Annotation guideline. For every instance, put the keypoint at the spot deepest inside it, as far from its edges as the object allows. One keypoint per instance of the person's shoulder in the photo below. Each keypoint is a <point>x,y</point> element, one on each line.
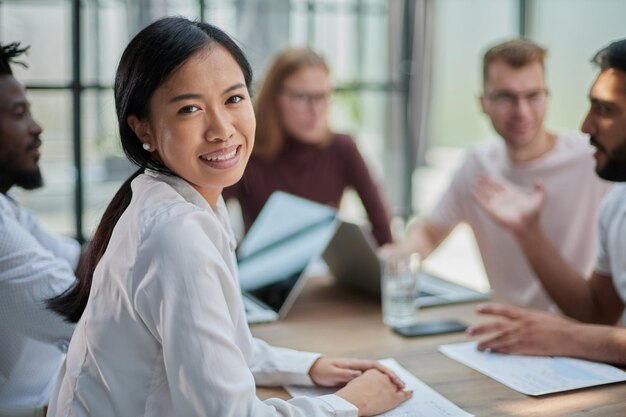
<point>342,141</point>
<point>342,147</point>
<point>180,224</point>
<point>159,204</point>
<point>9,206</point>
<point>489,147</point>
<point>616,196</point>
<point>573,142</point>
<point>156,195</point>
<point>484,154</point>
<point>5,205</point>
<point>5,211</point>
<point>572,136</point>
<point>13,212</point>
<point>613,207</point>
<point>571,151</point>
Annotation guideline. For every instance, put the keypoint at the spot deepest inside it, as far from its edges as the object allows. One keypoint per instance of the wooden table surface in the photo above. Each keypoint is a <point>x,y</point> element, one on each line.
<point>341,323</point>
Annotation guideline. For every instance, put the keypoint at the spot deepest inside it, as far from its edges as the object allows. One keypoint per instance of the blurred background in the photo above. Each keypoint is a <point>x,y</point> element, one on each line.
<point>407,75</point>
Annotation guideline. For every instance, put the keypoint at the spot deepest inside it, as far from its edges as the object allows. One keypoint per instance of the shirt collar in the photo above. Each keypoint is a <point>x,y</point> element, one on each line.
<point>7,202</point>
<point>192,195</point>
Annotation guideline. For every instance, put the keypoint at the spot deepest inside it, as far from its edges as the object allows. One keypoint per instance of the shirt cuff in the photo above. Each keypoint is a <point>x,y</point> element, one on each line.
<point>301,376</point>
<point>341,407</point>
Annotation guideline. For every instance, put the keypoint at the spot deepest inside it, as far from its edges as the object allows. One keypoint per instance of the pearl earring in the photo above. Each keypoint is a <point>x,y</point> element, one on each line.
<point>146,146</point>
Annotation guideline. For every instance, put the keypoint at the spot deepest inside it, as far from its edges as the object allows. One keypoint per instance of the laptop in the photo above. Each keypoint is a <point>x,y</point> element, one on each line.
<point>352,259</point>
<point>276,254</point>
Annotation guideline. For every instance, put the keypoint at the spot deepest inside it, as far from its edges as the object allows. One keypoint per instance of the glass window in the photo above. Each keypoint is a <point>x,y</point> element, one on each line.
<point>104,33</point>
<point>105,166</point>
<point>589,26</point>
<point>46,26</point>
<point>351,34</point>
<point>460,42</point>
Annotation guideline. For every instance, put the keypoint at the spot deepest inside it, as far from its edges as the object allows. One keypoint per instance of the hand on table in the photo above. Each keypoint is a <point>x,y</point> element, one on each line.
<point>523,331</point>
<point>370,386</point>
<point>332,372</point>
<point>374,392</point>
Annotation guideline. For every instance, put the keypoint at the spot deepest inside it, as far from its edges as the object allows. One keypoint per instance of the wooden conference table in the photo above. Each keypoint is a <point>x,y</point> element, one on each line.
<point>339,322</point>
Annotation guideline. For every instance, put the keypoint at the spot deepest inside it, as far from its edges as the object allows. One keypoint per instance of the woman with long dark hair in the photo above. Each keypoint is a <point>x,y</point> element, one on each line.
<point>161,326</point>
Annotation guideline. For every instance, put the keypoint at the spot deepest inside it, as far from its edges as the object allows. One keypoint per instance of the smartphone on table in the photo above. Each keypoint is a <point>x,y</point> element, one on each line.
<point>431,328</point>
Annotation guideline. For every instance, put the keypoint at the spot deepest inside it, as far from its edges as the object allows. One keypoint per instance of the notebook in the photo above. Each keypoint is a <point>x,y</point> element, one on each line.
<point>351,257</point>
<point>274,257</point>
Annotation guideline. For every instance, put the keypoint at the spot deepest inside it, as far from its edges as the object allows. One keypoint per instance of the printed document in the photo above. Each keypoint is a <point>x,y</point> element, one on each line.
<point>534,375</point>
<point>425,402</point>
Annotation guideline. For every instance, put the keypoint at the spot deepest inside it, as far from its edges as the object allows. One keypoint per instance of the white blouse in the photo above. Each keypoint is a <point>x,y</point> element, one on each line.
<point>164,332</point>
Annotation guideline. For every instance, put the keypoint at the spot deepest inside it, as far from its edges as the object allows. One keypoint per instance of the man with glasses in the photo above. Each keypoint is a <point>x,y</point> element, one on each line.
<point>34,264</point>
<point>527,155</point>
<point>597,299</point>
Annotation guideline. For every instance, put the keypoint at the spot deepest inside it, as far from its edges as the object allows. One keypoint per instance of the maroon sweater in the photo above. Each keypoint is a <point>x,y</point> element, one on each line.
<point>317,173</point>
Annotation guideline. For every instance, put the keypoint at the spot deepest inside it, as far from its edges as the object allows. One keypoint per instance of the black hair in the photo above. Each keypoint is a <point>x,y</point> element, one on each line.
<point>612,56</point>
<point>147,62</point>
<point>8,53</point>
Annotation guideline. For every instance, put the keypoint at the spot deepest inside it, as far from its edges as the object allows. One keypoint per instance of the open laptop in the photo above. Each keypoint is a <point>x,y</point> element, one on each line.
<point>289,234</point>
<point>352,259</point>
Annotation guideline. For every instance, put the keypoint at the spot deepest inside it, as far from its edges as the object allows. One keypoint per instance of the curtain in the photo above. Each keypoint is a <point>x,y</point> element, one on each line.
<point>410,64</point>
<point>263,31</point>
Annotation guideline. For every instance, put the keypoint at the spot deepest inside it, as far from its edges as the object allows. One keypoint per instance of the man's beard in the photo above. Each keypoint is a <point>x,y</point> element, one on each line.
<point>615,168</point>
<point>28,180</point>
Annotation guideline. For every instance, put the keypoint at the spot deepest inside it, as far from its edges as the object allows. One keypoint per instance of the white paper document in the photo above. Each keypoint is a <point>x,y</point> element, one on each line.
<point>534,375</point>
<point>425,402</point>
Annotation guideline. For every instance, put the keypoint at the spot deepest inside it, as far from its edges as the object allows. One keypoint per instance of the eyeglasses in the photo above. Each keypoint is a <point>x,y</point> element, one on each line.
<point>509,99</point>
<point>303,99</point>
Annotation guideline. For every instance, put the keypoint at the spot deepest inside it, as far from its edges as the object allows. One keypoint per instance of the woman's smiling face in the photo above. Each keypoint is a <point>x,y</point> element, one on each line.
<point>201,123</point>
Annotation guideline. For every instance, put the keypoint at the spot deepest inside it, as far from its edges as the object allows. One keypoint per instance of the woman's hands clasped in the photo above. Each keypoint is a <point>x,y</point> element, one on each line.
<point>370,386</point>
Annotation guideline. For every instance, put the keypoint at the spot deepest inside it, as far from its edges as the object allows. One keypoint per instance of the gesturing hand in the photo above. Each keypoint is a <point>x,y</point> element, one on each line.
<point>510,207</point>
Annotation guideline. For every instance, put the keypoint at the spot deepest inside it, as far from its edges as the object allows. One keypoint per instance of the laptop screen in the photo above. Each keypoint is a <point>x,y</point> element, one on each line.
<point>287,235</point>
<point>353,261</point>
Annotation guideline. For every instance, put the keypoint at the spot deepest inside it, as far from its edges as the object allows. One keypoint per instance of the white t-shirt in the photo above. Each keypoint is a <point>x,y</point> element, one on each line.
<point>574,193</point>
<point>611,250</point>
<point>164,332</point>
<point>34,267</point>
